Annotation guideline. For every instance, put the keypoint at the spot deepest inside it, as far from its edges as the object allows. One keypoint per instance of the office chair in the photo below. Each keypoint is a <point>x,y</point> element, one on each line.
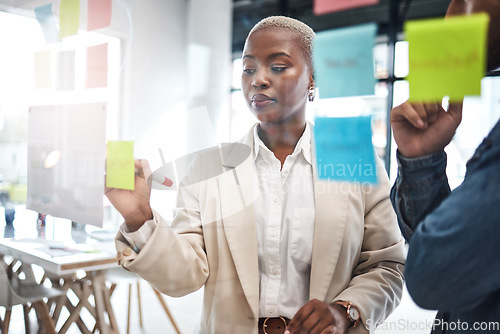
<point>18,292</point>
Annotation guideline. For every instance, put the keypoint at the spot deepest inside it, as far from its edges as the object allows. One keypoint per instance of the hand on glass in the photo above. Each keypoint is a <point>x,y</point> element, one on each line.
<point>423,128</point>
<point>134,205</point>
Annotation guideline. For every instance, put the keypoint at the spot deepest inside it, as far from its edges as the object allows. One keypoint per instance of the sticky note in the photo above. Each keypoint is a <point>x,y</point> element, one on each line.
<point>120,171</point>
<point>47,22</point>
<point>42,68</point>
<point>69,17</point>
<point>343,61</point>
<point>98,14</point>
<point>329,6</point>
<point>97,66</point>
<point>447,57</point>
<point>344,149</point>
<point>65,70</point>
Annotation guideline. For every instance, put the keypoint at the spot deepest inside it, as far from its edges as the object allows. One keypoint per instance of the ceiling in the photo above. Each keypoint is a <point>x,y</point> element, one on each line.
<point>248,12</point>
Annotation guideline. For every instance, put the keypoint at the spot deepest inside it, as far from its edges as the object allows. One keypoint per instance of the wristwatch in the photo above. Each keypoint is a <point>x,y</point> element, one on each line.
<point>352,312</point>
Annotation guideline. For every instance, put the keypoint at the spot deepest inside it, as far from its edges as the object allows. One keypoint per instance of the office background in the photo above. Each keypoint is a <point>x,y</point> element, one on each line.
<point>173,83</point>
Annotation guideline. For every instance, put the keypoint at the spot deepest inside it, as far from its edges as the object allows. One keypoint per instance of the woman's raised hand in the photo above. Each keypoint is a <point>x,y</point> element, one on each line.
<point>134,205</point>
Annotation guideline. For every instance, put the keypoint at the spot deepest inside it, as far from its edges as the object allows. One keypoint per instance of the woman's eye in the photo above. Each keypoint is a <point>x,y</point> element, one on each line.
<point>248,70</point>
<point>278,69</point>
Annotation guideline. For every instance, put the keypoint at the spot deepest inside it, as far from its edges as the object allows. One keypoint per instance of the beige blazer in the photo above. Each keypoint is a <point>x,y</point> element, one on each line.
<point>212,242</point>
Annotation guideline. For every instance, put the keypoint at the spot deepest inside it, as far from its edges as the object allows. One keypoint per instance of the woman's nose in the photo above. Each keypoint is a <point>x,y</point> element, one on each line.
<point>260,79</point>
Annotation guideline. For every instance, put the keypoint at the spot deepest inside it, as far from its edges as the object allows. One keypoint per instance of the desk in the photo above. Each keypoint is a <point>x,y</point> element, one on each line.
<point>78,270</point>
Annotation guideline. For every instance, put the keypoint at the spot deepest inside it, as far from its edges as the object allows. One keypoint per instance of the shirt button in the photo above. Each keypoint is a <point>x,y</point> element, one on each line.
<point>276,199</point>
<point>274,271</point>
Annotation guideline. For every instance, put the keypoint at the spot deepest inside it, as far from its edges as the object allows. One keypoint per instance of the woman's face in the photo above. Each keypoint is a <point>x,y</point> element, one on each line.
<point>276,76</point>
<point>492,7</point>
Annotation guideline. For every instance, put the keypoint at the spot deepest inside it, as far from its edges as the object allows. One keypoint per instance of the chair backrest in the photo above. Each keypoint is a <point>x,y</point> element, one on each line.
<point>5,288</point>
<point>15,291</point>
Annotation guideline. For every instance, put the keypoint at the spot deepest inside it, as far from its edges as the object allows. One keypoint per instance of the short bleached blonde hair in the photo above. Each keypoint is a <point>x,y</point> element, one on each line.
<point>303,31</point>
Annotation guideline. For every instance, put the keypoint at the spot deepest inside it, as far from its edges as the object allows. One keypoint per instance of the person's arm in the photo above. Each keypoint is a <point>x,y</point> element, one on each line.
<point>421,185</point>
<point>172,258</point>
<point>452,261</point>
<point>421,131</point>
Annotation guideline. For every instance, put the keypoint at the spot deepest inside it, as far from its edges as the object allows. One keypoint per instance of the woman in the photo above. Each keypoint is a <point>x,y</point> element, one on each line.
<point>266,239</point>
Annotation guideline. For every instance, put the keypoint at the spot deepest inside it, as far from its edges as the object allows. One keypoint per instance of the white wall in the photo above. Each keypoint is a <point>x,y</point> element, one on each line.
<point>177,58</point>
<point>209,70</point>
<point>155,66</point>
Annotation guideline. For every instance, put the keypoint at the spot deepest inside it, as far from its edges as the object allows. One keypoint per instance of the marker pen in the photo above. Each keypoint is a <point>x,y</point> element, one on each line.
<point>162,180</point>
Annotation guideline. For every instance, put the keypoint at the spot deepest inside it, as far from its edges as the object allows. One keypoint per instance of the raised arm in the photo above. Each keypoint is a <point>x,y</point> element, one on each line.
<point>421,132</point>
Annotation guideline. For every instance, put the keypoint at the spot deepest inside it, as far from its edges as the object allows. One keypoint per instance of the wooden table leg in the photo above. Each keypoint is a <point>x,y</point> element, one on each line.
<point>6,320</point>
<point>75,310</point>
<point>107,303</point>
<point>43,313</point>
<point>165,307</point>
<point>26,311</point>
<point>103,304</point>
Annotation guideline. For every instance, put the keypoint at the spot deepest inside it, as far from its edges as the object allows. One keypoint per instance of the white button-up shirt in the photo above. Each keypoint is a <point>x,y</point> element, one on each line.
<point>284,216</point>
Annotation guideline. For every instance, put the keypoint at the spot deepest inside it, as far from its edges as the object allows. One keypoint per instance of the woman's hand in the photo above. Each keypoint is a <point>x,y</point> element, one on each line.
<point>316,317</point>
<point>420,129</point>
<point>134,205</point>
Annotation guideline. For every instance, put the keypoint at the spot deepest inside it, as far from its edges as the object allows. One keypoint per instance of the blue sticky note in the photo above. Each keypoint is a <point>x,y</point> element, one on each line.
<point>47,22</point>
<point>343,61</point>
<point>344,149</point>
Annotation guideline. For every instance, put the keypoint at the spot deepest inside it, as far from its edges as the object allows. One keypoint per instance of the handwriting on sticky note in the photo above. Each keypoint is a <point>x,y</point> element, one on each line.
<point>344,149</point>
<point>446,57</point>
<point>120,171</point>
<point>343,60</point>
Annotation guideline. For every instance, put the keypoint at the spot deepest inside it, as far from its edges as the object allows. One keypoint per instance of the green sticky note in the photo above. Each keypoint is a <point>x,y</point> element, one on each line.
<point>120,171</point>
<point>69,17</point>
<point>447,57</point>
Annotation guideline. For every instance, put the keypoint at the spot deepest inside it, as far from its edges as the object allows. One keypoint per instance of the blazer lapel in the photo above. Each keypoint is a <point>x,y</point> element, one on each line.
<point>237,198</point>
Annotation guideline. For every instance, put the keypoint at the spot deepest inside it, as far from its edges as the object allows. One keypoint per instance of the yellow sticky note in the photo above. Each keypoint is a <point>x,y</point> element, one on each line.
<point>447,57</point>
<point>69,17</point>
<point>120,171</point>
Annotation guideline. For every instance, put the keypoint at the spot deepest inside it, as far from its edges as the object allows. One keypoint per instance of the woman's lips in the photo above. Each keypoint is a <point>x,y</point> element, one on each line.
<point>261,100</point>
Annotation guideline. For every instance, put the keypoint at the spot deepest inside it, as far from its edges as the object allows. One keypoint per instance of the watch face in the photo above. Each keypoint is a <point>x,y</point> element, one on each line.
<point>354,313</point>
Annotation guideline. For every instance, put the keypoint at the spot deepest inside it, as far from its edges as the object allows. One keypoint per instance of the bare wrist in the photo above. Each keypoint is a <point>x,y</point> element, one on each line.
<point>340,319</point>
<point>135,220</point>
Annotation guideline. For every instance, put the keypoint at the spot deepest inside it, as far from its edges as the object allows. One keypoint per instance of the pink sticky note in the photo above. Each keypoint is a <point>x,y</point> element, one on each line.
<point>99,14</point>
<point>97,66</point>
<point>329,6</point>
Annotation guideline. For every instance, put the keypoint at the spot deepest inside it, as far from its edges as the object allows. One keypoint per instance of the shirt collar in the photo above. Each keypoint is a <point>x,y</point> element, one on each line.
<point>303,145</point>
